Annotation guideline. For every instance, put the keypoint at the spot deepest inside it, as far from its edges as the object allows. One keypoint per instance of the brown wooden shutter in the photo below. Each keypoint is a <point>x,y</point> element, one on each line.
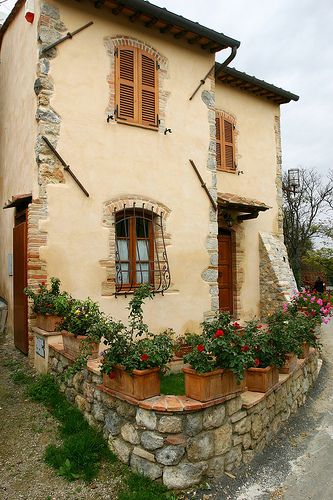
<point>126,85</point>
<point>228,146</point>
<point>148,103</point>
<point>218,141</point>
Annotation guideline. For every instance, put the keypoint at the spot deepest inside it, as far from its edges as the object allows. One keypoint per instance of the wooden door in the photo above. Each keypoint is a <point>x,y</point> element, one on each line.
<point>20,281</point>
<point>225,281</point>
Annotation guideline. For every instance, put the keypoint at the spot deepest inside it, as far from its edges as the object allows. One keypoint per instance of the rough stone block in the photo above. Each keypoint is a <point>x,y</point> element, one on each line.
<point>256,428</point>
<point>145,467</point>
<point>146,419</point>
<point>243,426</point>
<point>170,455</point>
<point>193,423</point>
<point>183,475</point>
<point>120,448</point>
<point>213,417</point>
<point>130,434</point>
<point>234,405</point>
<point>151,440</point>
<point>215,467</point>
<point>170,424</point>
<point>113,422</point>
<point>140,452</point>
<point>200,447</point>
<point>223,439</point>
<point>238,416</point>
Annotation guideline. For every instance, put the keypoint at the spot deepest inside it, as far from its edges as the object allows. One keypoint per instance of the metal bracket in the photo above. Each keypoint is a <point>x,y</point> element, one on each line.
<point>66,37</point>
<point>66,167</point>
<point>203,184</point>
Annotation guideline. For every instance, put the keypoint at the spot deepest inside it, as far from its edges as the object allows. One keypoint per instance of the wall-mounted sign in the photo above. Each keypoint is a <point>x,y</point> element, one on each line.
<point>10,264</point>
<point>40,346</point>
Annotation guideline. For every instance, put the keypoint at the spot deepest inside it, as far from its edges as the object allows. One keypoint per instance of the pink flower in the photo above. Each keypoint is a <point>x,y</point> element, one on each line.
<point>218,333</point>
<point>326,320</point>
<point>144,357</point>
<point>312,300</point>
<point>201,348</point>
<point>285,307</point>
<point>320,302</point>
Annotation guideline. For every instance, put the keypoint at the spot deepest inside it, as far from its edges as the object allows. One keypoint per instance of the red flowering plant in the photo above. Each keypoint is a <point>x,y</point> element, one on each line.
<point>49,300</point>
<point>262,346</point>
<point>221,346</point>
<point>133,346</point>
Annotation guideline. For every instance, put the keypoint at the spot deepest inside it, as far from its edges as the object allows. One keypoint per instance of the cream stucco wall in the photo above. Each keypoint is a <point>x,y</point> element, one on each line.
<point>256,158</point>
<point>18,172</point>
<point>112,160</point>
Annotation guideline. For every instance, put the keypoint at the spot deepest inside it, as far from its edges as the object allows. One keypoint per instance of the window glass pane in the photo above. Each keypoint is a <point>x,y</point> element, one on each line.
<point>122,274</point>
<point>142,227</point>
<point>142,250</point>
<point>122,246</point>
<point>122,228</point>
<point>142,272</point>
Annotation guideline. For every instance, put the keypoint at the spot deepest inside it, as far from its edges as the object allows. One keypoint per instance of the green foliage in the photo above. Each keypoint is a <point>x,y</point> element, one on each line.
<point>19,376</point>
<point>126,345</point>
<point>141,488</point>
<point>188,339</point>
<point>262,347</point>
<point>320,260</point>
<point>85,318</point>
<point>49,301</point>
<point>82,448</point>
<point>173,384</point>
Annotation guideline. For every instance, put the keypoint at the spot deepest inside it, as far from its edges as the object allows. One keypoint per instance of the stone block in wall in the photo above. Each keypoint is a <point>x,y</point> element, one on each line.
<point>243,426</point>
<point>82,404</point>
<point>98,411</point>
<point>193,423</point>
<point>215,467</point>
<point>170,455</point>
<point>130,434</point>
<point>170,424</point>
<point>233,458</point>
<point>140,452</point>
<point>175,439</point>
<point>145,467</point>
<point>120,448</point>
<point>213,416</point>
<point>146,419</point>
<point>238,416</point>
<point>248,456</point>
<point>125,409</point>
<point>113,422</point>
<point>247,440</point>
<point>151,440</point>
<point>256,427</point>
<point>223,439</point>
<point>234,405</point>
<point>184,475</point>
<point>201,447</point>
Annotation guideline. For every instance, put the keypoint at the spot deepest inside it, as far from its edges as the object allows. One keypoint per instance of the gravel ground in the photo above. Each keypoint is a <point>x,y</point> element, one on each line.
<point>26,428</point>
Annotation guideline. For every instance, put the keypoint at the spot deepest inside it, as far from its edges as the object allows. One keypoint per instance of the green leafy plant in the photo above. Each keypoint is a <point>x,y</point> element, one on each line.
<point>49,300</point>
<point>313,305</point>
<point>262,347</point>
<point>134,346</point>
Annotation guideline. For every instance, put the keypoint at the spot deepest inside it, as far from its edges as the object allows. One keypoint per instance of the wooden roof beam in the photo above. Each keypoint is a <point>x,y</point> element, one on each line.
<point>151,22</point>
<point>180,34</point>
<point>166,28</point>
<point>191,41</point>
<point>135,16</point>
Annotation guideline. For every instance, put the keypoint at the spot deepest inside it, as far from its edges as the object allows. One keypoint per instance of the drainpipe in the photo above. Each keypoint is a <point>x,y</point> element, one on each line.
<point>223,65</point>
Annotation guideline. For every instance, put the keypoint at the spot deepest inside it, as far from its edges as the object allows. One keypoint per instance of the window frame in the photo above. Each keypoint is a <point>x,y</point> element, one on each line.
<point>131,216</point>
<point>138,88</point>
<point>220,118</point>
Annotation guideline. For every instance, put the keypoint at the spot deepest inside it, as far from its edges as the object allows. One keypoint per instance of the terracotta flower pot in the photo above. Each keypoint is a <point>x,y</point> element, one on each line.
<point>72,345</point>
<point>48,322</point>
<point>139,384</point>
<point>211,385</point>
<point>261,379</point>
<point>181,351</point>
<point>290,364</point>
<point>305,350</point>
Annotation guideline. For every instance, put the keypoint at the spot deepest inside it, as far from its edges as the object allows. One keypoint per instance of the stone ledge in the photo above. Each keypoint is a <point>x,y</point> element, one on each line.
<point>44,333</point>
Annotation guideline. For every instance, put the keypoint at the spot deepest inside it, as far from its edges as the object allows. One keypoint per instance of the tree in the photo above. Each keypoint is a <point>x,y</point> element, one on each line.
<point>303,215</point>
<point>321,260</point>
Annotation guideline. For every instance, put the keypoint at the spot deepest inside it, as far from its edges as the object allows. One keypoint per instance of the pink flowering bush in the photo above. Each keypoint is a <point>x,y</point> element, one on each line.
<point>312,305</point>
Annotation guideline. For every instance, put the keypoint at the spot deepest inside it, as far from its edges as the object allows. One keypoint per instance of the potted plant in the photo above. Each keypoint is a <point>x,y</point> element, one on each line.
<point>267,359</point>
<point>217,362</point>
<point>82,328</point>
<point>183,344</point>
<point>313,305</point>
<point>49,305</point>
<point>284,328</point>
<point>134,356</point>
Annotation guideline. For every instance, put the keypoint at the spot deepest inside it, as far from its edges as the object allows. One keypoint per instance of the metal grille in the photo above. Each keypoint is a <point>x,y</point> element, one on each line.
<point>140,250</point>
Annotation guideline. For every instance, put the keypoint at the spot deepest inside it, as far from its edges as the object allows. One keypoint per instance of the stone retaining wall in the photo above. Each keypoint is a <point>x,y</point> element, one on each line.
<point>179,446</point>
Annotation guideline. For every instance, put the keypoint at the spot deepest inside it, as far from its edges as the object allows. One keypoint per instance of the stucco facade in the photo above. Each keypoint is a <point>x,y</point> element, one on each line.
<point>68,97</point>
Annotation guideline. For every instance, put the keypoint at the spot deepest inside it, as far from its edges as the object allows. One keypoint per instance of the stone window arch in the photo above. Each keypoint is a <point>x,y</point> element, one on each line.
<point>137,245</point>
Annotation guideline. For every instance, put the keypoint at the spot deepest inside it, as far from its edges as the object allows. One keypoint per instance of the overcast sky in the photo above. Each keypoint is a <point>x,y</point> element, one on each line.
<point>287,43</point>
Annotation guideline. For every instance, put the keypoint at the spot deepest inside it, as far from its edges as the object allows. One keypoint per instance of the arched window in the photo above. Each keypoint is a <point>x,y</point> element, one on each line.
<point>136,87</point>
<point>140,250</point>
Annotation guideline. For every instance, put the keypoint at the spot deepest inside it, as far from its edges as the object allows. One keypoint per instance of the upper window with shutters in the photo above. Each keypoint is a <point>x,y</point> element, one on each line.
<point>225,143</point>
<point>136,87</point>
